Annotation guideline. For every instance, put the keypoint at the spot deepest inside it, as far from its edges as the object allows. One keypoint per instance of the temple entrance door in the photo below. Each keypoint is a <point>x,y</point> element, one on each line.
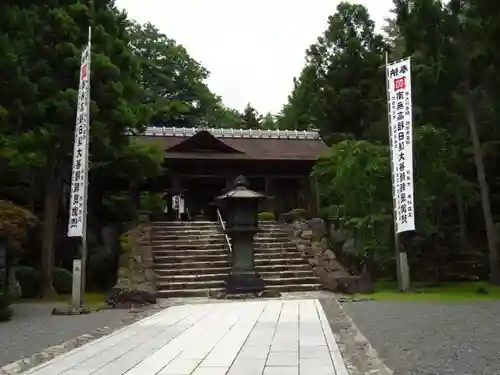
<point>200,193</point>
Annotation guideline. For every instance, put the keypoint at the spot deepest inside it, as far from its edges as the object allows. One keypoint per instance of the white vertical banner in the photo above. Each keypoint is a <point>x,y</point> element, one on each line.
<point>398,76</point>
<point>79,174</point>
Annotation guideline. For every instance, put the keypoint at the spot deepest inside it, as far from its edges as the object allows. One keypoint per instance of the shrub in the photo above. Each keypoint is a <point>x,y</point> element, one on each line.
<point>29,279</point>
<point>266,216</point>
<point>62,280</point>
<point>15,222</point>
<point>298,214</point>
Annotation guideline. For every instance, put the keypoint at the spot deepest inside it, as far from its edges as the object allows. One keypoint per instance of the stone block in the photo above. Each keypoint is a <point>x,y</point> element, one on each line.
<point>318,227</point>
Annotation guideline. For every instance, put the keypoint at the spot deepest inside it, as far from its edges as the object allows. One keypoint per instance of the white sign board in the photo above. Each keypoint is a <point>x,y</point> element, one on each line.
<point>401,142</point>
<point>77,204</point>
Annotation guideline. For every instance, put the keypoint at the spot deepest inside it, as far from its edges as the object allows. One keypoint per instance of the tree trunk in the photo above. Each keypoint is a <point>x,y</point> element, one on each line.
<point>484,188</point>
<point>51,206</point>
<point>462,222</point>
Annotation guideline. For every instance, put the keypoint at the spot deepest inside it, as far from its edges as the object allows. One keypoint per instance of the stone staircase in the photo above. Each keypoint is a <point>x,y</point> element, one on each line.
<point>192,258</point>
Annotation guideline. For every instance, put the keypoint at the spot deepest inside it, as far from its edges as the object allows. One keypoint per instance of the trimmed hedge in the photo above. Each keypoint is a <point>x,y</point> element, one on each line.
<point>62,279</point>
<point>266,216</point>
<point>29,279</point>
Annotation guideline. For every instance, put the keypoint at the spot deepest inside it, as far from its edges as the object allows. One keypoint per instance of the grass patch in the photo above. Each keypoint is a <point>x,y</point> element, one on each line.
<point>462,291</point>
<point>91,299</point>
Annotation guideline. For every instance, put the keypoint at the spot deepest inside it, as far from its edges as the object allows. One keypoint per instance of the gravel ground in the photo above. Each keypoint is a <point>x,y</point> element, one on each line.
<point>431,338</point>
<point>33,329</point>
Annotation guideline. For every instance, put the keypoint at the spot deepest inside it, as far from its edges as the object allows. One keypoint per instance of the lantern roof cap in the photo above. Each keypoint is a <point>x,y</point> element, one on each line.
<point>240,191</point>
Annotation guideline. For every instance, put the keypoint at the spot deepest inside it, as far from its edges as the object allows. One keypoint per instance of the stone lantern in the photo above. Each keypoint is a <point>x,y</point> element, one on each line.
<point>240,208</point>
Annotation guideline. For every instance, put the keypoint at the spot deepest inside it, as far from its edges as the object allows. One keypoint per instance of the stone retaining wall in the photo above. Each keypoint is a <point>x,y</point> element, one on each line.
<point>136,284</point>
<point>311,239</point>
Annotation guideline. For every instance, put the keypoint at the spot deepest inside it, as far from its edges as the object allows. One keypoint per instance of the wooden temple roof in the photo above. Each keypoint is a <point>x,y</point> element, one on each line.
<point>215,143</point>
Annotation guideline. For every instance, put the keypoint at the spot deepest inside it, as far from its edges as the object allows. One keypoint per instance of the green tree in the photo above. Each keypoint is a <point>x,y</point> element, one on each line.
<point>457,59</point>
<point>174,83</point>
<point>341,87</point>
<point>355,185</point>
<point>269,121</point>
<point>41,45</point>
<point>251,118</point>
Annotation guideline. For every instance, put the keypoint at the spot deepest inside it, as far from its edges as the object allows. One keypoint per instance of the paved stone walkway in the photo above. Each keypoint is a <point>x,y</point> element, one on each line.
<point>236,338</point>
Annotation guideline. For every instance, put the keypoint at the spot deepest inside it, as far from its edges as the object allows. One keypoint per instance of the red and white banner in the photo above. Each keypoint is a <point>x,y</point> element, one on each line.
<point>79,175</point>
<point>398,76</point>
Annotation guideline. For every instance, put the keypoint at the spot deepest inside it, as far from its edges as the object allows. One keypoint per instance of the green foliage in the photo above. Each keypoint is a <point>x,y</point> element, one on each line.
<point>354,181</point>
<point>63,280</point>
<point>154,203</point>
<point>29,279</point>
<point>455,95</point>
<point>15,222</point>
<point>331,97</point>
<point>251,118</point>
<point>173,82</point>
<point>269,122</point>
<point>298,214</point>
<point>118,207</point>
<point>266,216</point>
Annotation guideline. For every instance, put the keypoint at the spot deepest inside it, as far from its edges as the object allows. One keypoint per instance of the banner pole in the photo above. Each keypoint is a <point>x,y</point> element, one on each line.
<point>86,182</point>
<point>402,269</point>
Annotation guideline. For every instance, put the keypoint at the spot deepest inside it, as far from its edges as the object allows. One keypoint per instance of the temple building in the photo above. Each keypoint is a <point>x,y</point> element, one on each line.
<point>203,162</point>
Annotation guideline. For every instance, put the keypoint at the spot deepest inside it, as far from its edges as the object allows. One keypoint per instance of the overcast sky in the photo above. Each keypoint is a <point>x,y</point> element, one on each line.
<point>252,48</point>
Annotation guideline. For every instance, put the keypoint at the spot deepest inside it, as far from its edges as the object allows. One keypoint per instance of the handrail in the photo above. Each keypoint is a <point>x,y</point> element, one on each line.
<point>221,222</point>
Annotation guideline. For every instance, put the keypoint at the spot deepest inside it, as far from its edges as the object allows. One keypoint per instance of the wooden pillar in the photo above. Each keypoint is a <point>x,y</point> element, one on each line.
<point>269,191</point>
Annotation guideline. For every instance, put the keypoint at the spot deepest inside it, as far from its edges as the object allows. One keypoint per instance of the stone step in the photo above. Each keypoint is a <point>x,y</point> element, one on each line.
<point>191,237</point>
<point>278,255</point>
<point>170,293</point>
<point>177,246</point>
<point>178,285</point>
<point>184,223</point>
<point>277,234</point>
<point>206,222</point>
<point>280,261</point>
<point>192,277</point>
<point>286,288</point>
<point>287,273</point>
<point>271,278</point>
<point>277,281</point>
<point>264,240</point>
<point>261,268</point>
<point>195,242</point>
<point>221,248</point>
<point>167,269</point>
<point>165,252</point>
<point>274,246</point>
<point>260,233</point>
<point>210,265</point>
<point>188,271</point>
<point>218,237</point>
<point>162,259</point>
<point>219,282</point>
<point>184,232</point>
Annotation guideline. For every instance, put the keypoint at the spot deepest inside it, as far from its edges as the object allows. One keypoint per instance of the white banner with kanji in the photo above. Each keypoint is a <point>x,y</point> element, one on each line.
<point>401,141</point>
<point>79,175</point>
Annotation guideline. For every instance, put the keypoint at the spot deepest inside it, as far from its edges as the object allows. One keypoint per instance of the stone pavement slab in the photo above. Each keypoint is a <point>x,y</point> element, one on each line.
<point>271,337</point>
